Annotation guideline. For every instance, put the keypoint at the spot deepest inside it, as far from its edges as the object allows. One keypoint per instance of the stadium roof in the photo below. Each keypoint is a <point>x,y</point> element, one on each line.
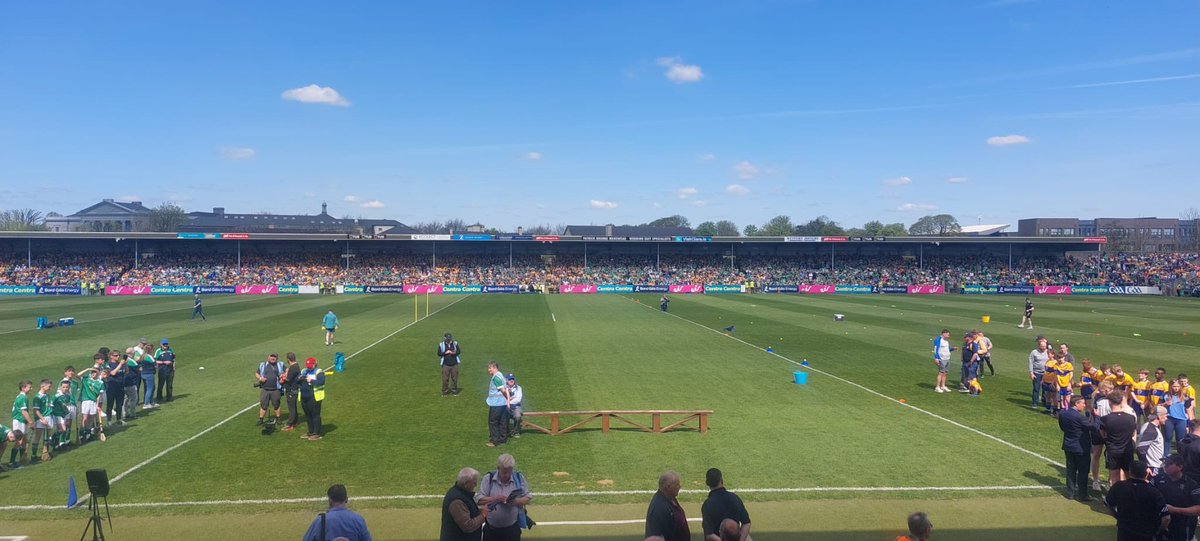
<point>220,221</point>
<point>983,230</point>
<point>626,231</point>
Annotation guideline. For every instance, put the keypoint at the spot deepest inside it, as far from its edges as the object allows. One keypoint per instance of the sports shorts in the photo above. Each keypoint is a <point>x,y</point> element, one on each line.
<point>88,407</point>
<point>943,366</point>
<point>1064,392</point>
<point>20,425</point>
<point>268,398</point>
<point>44,423</point>
<point>1119,461</point>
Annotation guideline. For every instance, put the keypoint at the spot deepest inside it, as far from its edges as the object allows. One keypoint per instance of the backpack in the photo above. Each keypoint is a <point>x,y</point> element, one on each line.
<point>523,519</point>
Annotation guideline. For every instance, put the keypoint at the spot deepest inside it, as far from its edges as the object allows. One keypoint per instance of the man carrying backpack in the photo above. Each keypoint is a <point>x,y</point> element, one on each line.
<point>505,493</point>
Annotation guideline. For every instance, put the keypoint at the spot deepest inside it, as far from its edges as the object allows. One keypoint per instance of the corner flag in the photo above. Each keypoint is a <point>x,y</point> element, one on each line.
<point>72,496</point>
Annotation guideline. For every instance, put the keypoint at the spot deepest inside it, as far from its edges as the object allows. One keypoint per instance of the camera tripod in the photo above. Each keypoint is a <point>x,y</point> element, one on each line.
<point>95,523</point>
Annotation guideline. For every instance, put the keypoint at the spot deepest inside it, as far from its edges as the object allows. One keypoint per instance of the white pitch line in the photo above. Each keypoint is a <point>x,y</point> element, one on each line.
<point>581,493</point>
<point>552,318</point>
<point>254,298</point>
<point>146,462</point>
<point>874,392</point>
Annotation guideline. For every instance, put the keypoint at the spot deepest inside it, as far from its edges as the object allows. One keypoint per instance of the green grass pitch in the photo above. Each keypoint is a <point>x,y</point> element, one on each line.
<point>838,458</point>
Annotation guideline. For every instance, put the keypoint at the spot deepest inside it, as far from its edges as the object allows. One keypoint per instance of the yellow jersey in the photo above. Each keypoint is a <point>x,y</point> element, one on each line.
<point>1123,381</point>
<point>1141,391</point>
<point>1050,376</point>
<point>1090,377</point>
<point>1158,392</point>
<point>1064,372</point>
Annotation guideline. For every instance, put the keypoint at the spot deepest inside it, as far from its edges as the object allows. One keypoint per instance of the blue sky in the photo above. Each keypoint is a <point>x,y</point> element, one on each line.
<point>523,113</point>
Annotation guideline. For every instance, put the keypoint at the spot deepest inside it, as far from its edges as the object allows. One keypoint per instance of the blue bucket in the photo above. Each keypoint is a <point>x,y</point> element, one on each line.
<point>800,378</point>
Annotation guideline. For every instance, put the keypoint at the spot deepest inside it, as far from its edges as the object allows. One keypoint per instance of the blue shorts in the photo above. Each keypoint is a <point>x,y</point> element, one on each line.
<point>1064,392</point>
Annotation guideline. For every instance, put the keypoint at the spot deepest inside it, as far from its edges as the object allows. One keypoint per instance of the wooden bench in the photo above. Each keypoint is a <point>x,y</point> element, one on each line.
<point>606,417</point>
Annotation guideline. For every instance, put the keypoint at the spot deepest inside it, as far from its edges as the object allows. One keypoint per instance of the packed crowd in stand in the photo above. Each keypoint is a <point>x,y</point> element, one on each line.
<point>1170,270</point>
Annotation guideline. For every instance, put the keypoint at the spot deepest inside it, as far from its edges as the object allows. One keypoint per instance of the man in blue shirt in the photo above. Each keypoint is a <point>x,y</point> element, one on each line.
<point>198,309</point>
<point>330,323</point>
<point>338,521</point>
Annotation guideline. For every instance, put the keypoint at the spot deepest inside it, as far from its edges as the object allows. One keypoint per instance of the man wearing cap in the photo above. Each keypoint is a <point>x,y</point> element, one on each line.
<point>515,394</point>
<point>312,392</point>
<point>164,357</point>
<point>448,353</point>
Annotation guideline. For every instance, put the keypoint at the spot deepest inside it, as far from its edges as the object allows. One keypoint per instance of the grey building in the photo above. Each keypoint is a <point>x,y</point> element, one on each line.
<point>1145,234</point>
<point>219,221</point>
<point>107,215</point>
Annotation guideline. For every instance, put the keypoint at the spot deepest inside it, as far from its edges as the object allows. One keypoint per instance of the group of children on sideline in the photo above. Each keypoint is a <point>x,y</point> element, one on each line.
<point>106,392</point>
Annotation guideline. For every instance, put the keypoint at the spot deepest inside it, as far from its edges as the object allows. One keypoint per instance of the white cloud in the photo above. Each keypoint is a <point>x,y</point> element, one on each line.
<point>916,207</point>
<point>1005,140</point>
<point>238,153</point>
<point>680,73</point>
<point>745,170</point>
<point>707,157</point>
<point>533,156</point>
<point>699,203</point>
<point>684,193</point>
<point>656,205</point>
<point>598,204</point>
<point>737,189</point>
<point>540,205</point>
<point>901,181</point>
<point>958,180</point>
<point>350,199</point>
<point>323,95</point>
<point>372,204</point>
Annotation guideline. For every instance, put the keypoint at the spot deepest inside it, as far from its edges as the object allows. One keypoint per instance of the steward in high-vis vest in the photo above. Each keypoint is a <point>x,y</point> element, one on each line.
<point>312,393</point>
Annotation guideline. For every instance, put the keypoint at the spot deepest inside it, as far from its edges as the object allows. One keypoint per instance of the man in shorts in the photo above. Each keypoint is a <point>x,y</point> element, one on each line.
<point>1118,429</point>
<point>1028,314</point>
<point>330,323</point>
<point>268,375</point>
<point>941,359</point>
<point>60,415</point>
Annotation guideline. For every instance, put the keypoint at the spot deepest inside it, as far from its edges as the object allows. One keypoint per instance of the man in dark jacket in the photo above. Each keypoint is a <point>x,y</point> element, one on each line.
<point>1140,509</point>
<point>291,390</point>
<point>448,353</point>
<point>1077,445</point>
<point>462,519</point>
<point>665,519</point>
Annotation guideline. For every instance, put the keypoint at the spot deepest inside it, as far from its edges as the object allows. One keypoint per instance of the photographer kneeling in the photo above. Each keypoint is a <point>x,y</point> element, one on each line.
<point>268,376</point>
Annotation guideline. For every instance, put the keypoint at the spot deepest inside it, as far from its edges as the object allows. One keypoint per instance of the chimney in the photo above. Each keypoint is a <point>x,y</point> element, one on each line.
<point>608,230</point>
<point>219,211</point>
<point>136,203</point>
<point>109,201</point>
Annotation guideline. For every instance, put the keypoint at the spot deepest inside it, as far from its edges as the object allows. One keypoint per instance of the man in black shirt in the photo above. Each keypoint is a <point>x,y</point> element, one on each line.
<point>1118,429</point>
<point>665,519</point>
<point>720,505</point>
<point>1189,449</point>
<point>1139,508</point>
<point>1182,496</point>
<point>291,389</point>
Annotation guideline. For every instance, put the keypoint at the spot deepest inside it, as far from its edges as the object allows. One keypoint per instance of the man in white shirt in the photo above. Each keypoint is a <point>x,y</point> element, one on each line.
<point>515,394</point>
<point>941,359</point>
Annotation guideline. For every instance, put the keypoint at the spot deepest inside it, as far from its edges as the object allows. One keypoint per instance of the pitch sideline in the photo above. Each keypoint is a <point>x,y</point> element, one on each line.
<point>870,390</point>
<point>587,493</point>
<point>197,435</point>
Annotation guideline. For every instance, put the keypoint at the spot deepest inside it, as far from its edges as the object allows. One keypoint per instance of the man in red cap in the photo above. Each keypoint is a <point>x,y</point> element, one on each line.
<point>312,392</point>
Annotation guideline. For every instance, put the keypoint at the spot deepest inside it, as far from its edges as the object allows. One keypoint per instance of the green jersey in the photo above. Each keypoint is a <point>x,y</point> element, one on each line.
<point>43,403</point>
<point>20,407</point>
<point>4,433</point>
<point>60,404</point>
<point>92,389</point>
<point>75,388</point>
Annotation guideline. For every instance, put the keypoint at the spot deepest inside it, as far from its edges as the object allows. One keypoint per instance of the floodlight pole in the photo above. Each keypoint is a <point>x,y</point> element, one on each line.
<point>135,254</point>
<point>832,248</point>
<point>585,255</point>
<point>657,254</point>
<point>1010,256</point>
<point>347,255</point>
<point>29,252</point>
<point>239,254</point>
<point>921,248</point>
<point>435,255</point>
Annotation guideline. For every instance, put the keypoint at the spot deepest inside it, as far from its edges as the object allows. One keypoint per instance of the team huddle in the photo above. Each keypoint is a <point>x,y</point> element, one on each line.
<point>108,391</point>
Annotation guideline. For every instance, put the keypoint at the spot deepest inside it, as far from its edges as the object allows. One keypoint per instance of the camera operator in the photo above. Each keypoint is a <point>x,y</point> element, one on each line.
<point>291,390</point>
<point>269,374</point>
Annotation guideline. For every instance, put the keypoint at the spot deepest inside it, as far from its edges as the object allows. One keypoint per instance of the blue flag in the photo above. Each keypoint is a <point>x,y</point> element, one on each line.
<point>72,496</point>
